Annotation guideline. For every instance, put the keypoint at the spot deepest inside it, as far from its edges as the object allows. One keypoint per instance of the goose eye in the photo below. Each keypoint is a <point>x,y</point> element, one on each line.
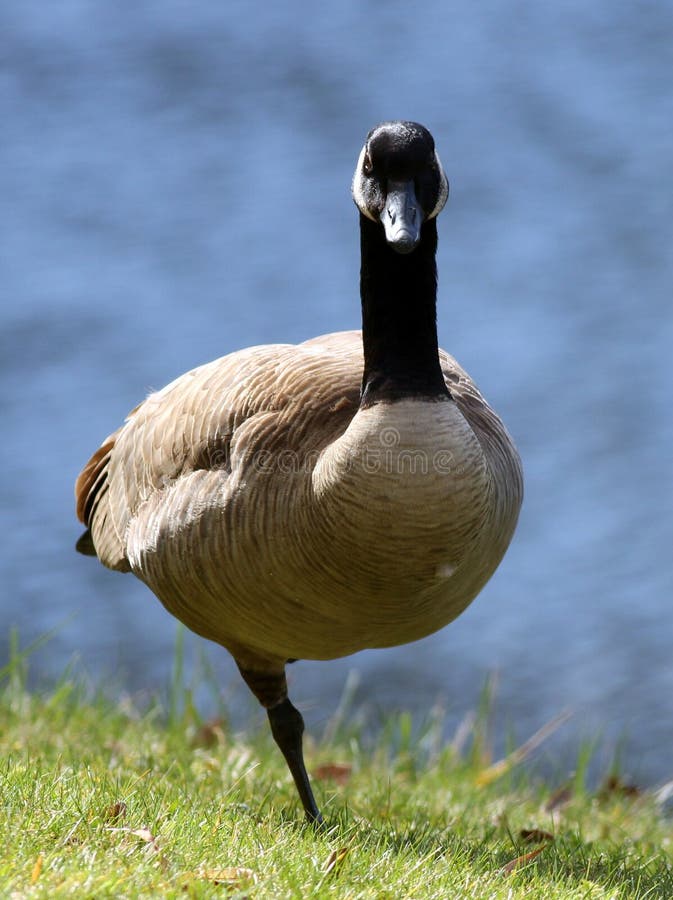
<point>367,164</point>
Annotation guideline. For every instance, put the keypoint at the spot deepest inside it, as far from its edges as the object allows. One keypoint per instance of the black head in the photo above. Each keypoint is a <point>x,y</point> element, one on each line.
<point>399,181</point>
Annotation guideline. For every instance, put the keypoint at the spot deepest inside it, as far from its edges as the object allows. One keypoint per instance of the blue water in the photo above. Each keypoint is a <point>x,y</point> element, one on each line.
<point>175,185</point>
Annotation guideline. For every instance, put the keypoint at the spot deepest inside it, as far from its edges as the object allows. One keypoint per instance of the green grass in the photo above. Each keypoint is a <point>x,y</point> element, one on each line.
<point>100,800</point>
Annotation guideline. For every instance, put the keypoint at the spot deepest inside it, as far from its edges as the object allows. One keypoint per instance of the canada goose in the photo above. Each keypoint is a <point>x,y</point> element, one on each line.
<point>311,501</point>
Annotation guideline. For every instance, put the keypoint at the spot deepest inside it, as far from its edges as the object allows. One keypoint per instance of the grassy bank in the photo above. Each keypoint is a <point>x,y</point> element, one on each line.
<point>100,800</point>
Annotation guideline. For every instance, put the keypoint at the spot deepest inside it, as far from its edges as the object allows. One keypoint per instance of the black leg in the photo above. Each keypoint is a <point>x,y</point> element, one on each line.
<point>287,727</point>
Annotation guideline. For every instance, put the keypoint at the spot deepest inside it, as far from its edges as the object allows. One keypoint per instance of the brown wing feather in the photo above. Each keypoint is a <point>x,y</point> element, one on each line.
<point>91,479</point>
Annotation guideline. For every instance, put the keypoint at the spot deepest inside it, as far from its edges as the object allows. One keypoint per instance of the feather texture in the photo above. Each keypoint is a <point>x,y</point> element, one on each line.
<point>273,516</point>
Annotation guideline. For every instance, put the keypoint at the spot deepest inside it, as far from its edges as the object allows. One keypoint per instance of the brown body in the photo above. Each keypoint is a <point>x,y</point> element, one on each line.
<point>272,515</point>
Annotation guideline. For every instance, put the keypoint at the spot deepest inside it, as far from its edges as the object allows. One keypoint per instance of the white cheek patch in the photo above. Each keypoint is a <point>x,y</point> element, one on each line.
<point>358,194</point>
<point>443,189</point>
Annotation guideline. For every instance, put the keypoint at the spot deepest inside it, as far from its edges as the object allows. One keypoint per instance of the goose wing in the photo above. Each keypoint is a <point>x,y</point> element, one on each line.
<point>497,446</point>
<point>275,397</point>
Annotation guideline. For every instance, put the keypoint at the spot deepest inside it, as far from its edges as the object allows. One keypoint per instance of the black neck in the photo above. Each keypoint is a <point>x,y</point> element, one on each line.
<point>399,325</point>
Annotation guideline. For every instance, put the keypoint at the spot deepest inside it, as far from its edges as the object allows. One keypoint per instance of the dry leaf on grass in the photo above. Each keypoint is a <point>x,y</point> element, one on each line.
<point>210,734</point>
<point>337,772</point>
<point>535,836</point>
<point>335,859</point>
<point>613,786</point>
<point>520,861</point>
<point>559,798</point>
<point>37,869</point>
<point>116,812</point>
<point>144,834</point>
<point>150,840</point>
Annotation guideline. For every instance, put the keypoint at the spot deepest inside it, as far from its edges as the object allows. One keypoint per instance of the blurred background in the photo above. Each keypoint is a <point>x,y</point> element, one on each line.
<point>175,185</point>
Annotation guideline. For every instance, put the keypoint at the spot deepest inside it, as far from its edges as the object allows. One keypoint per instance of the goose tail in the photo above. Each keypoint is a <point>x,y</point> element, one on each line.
<point>85,544</point>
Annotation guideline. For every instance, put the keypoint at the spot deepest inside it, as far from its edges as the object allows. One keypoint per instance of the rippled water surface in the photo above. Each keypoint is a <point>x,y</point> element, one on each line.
<point>175,185</point>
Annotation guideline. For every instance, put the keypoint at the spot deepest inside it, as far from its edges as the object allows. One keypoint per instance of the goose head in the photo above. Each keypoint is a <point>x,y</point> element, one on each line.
<point>399,182</point>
